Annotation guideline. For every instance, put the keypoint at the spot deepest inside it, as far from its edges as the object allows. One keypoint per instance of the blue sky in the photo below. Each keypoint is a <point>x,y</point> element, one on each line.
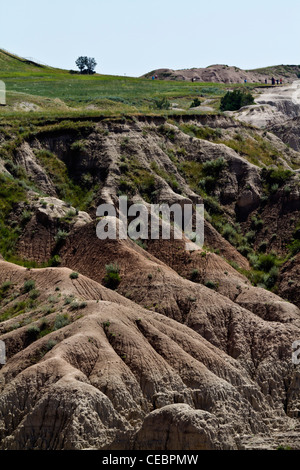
<point>136,36</point>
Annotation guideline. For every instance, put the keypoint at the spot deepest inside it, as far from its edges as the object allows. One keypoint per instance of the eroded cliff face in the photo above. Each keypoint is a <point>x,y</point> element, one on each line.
<point>158,161</point>
<point>165,362</point>
<point>273,107</point>
<point>289,132</point>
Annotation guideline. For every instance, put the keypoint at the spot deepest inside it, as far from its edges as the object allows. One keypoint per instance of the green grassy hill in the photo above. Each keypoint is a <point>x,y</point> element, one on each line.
<point>48,91</point>
<point>42,90</point>
<point>15,64</point>
<point>280,71</point>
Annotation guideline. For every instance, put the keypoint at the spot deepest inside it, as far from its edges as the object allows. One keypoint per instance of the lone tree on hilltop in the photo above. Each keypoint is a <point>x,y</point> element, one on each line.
<point>86,65</point>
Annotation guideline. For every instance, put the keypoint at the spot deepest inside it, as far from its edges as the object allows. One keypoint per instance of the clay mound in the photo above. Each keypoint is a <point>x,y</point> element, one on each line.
<point>49,279</point>
<point>225,74</point>
<point>107,372</point>
<point>160,430</point>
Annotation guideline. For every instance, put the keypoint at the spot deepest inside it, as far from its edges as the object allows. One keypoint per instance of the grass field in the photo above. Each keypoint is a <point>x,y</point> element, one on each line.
<point>42,90</point>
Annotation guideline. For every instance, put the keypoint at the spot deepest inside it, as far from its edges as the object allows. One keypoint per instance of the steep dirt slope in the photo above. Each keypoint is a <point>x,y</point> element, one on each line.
<point>289,132</point>
<point>117,373</point>
<point>290,279</point>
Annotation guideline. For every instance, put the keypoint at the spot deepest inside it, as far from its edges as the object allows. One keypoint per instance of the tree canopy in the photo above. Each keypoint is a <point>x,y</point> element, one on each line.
<point>86,64</point>
<point>234,100</point>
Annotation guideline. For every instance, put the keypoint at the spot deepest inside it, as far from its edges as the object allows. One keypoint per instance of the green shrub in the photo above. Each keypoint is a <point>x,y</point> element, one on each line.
<point>68,300</point>
<point>61,321</point>
<point>50,344</point>
<point>201,132</point>
<point>74,305</point>
<point>250,236</point>
<point>196,102</point>
<point>61,236</point>
<point>266,262</point>
<point>112,268</point>
<point>161,103</point>
<point>262,248</point>
<point>208,183</point>
<point>294,247</point>
<point>32,333</point>
<point>124,168</point>
<point>274,188</point>
<point>112,278</point>
<point>25,217</point>
<point>167,131</point>
<point>52,299</point>
<point>55,261</point>
<point>275,176</point>
<point>214,167</point>
<point>194,275</point>
<point>87,180</point>
<point>69,217</point>
<point>126,186</point>
<point>245,250</point>
<point>16,171</point>
<point>212,205</point>
<point>234,100</point>
<point>256,223</point>
<point>78,146</point>
<point>211,285</point>
<point>74,276</point>
<point>5,286</point>
<point>229,232</point>
<point>146,186</point>
<point>28,286</point>
<point>34,294</point>
<point>78,306</point>
<point>270,279</point>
